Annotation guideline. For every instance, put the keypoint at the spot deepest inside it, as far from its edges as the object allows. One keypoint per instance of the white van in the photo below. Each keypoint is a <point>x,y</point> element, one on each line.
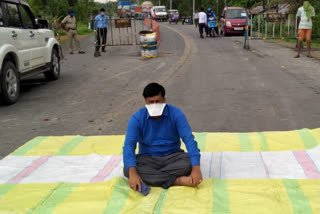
<point>160,13</point>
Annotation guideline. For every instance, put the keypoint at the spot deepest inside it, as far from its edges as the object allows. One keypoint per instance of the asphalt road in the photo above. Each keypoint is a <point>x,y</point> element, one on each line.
<point>219,86</point>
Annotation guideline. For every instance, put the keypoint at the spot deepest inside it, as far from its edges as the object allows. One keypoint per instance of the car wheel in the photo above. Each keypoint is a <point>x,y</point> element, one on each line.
<point>54,72</point>
<point>10,83</point>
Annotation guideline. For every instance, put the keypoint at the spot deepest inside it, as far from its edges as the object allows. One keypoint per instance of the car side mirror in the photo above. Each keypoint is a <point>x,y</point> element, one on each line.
<point>42,23</point>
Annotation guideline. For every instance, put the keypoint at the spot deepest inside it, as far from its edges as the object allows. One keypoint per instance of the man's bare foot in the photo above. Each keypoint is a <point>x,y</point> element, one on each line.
<point>184,181</point>
<point>297,56</point>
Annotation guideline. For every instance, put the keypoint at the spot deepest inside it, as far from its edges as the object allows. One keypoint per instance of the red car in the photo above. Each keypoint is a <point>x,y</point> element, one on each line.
<point>233,21</point>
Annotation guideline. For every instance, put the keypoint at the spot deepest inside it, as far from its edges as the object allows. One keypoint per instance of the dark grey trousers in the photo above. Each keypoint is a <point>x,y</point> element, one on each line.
<point>162,171</point>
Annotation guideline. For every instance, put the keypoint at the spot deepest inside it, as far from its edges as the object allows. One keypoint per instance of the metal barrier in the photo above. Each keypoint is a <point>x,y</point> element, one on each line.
<point>124,31</point>
<point>263,27</point>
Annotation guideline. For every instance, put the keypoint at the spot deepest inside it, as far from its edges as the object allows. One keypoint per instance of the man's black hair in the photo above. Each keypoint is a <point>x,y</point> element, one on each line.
<point>153,89</point>
<point>102,10</point>
<point>202,9</point>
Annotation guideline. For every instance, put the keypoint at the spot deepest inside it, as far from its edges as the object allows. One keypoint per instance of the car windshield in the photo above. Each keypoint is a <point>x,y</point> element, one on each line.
<point>236,14</point>
<point>174,13</point>
<point>160,10</point>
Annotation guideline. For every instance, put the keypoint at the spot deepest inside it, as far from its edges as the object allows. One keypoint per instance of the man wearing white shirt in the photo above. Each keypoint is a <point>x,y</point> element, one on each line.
<point>202,22</point>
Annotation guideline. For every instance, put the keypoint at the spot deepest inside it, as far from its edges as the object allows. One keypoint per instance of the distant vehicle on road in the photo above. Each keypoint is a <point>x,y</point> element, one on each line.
<point>27,48</point>
<point>173,16</point>
<point>135,10</point>
<point>160,13</point>
<point>233,21</point>
<point>124,9</point>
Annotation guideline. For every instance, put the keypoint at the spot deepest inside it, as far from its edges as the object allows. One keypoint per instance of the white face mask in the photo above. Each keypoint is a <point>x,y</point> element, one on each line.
<point>155,110</point>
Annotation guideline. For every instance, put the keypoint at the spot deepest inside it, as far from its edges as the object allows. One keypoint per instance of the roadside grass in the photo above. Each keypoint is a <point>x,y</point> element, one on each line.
<point>83,29</point>
<point>314,44</point>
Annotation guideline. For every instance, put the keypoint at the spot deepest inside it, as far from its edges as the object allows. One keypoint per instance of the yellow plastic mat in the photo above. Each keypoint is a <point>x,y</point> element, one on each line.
<point>235,196</point>
<point>208,142</point>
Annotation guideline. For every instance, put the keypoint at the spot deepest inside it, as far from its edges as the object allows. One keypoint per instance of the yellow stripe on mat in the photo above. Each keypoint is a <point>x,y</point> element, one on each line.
<point>207,142</point>
<point>189,200</point>
<point>262,196</point>
<point>222,142</point>
<point>50,146</point>
<point>24,197</point>
<point>87,198</point>
<point>282,141</point>
<point>103,145</point>
<point>311,189</point>
<point>234,196</point>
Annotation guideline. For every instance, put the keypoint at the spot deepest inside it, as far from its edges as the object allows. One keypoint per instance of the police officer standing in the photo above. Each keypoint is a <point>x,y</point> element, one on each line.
<point>69,24</point>
<point>101,22</point>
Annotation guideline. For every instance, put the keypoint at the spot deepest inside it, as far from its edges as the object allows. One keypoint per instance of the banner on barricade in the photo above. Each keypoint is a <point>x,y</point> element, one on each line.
<point>122,23</point>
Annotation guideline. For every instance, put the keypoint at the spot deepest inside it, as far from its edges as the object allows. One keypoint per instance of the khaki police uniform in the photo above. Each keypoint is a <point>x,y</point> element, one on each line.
<point>71,25</point>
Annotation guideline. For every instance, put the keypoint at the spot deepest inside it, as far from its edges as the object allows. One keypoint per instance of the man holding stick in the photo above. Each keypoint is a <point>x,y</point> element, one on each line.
<point>101,22</point>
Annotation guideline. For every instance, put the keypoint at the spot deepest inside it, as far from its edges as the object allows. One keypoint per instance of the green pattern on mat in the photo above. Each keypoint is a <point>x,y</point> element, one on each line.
<point>28,146</point>
<point>245,142</point>
<point>220,197</point>
<point>4,188</point>
<point>201,139</point>
<point>55,197</point>
<point>307,138</point>
<point>300,203</point>
<point>263,142</point>
<point>68,147</point>
<point>160,203</point>
<point>118,198</point>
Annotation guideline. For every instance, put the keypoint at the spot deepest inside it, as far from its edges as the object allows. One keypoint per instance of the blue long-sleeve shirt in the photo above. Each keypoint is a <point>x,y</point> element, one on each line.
<point>159,137</point>
<point>101,21</point>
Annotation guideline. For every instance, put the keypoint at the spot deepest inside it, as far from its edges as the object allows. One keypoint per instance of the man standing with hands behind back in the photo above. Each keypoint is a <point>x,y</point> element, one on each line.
<point>305,15</point>
<point>69,24</point>
<point>158,128</point>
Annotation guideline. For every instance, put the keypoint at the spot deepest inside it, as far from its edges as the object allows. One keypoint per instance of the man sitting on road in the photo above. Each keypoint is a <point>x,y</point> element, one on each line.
<point>305,15</point>
<point>69,24</point>
<point>158,128</point>
<point>202,22</point>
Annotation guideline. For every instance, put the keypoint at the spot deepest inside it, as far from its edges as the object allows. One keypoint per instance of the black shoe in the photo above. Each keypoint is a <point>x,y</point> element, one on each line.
<point>71,52</point>
<point>201,36</point>
<point>82,52</point>
<point>103,51</point>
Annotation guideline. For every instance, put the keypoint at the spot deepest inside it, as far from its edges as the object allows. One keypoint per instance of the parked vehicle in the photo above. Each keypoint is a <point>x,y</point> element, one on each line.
<point>124,9</point>
<point>160,13</point>
<point>212,26</point>
<point>233,21</point>
<point>173,16</point>
<point>27,48</point>
<point>135,10</point>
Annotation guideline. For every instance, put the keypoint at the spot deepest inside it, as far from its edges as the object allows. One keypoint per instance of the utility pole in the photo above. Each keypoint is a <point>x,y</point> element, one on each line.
<point>193,8</point>
<point>225,3</point>
<point>217,14</point>
<point>170,4</point>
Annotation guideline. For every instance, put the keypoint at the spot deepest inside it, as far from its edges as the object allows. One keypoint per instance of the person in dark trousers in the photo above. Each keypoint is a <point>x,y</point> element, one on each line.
<point>158,128</point>
<point>202,22</point>
<point>101,22</point>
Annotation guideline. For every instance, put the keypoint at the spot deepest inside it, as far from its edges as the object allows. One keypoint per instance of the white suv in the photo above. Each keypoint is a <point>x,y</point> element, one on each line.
<point>26,48</point>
